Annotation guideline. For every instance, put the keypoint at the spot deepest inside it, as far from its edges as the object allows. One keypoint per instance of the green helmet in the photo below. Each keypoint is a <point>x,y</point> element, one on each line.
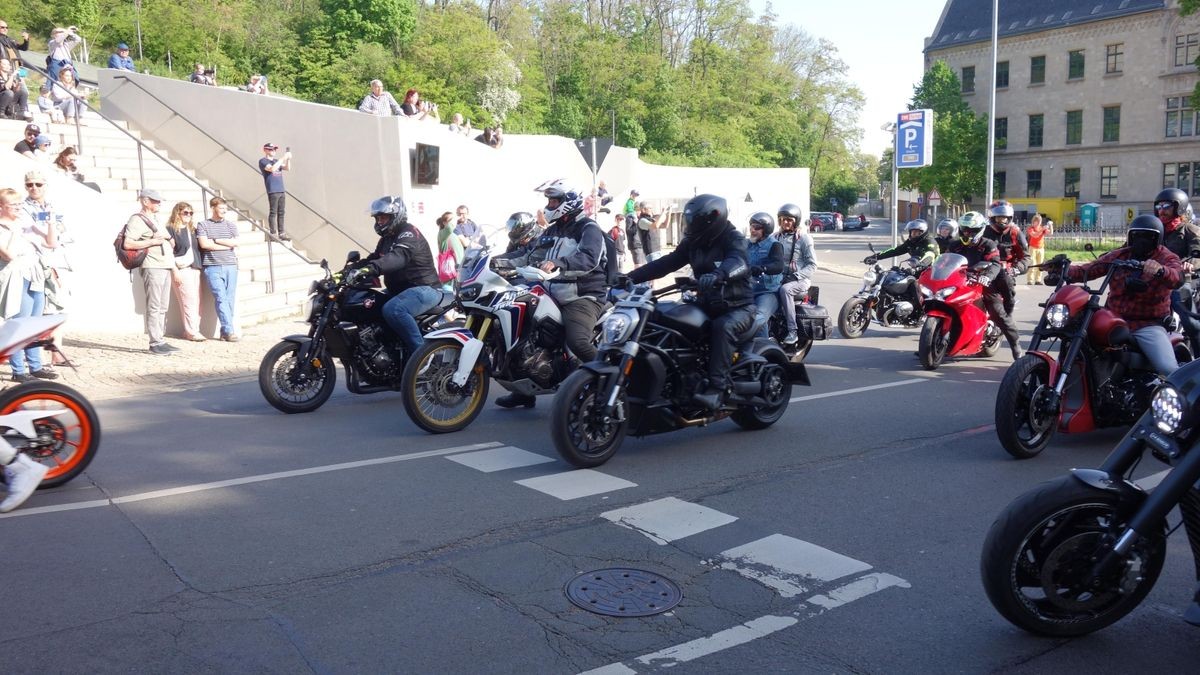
<point>970,224</point>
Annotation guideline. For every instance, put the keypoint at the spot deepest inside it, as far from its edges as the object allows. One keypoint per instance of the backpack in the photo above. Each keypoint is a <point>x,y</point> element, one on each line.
<point>131,259</point>
<point>612,264</point>
<point>632,233</point>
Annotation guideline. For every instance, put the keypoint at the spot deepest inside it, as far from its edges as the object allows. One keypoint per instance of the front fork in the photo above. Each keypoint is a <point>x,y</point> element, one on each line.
<point>471,350</point>
<point>629,352</point>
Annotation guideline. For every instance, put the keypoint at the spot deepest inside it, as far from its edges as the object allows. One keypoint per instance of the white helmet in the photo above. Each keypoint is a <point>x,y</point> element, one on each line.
<point>569,201</point>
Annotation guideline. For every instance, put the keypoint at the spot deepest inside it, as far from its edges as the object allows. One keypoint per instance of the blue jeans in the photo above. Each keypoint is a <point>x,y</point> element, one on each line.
<point>32,303</point>
<point>1156,345</point>
<point>767,303</point>
<point>401,311</point>
<point>222,281</point>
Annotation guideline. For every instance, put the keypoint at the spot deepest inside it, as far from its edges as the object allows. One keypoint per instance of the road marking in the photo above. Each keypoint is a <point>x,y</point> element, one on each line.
<point>858,390</point>
<point>575,484</point>
<point>260,478</point>
<point>787,564</point>
<point>669,519</point>
<point>499,459</point>
<point>730,637</point>
<point>859,588</point>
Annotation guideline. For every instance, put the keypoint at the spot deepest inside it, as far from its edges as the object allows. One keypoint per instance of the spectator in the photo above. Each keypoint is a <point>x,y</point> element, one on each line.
<point>64,94</point>
<point>22,284</point>
<point>121,60</point>
<point>14,95</point>
<point>218,240</point>
<point>65,164</point>
<point>27,145</point>
<point>416,109</point>
<point>62,41</point>
<point>648,226</point>
<point>185,275</point>
<point>50,236</point>
<point>447,241</point>
<point>272,171</point>
<point>257,84</point>
<point>41,151</point>
<point>1035,234</point>
<point>631,203</point>
<point>9,46</point>
<point>46,103</point>
<point>458,127</point>
<point>379,102</point>
<point>202,75</point>
<point>470,234</point>
<point>602,193</point>
<point>142,232</point>
<point>617,234</point>
<point>497,137</point>
<point>633,240</point>
<point>487,137</point>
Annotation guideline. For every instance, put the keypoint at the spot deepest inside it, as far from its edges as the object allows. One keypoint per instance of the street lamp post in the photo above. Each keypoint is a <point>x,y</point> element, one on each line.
<point>991,151</point>
<point>137,18</point>
<point>891,126</point>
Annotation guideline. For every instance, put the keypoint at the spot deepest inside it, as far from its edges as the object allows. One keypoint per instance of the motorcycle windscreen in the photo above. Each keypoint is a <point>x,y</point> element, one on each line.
<point>945,265</point>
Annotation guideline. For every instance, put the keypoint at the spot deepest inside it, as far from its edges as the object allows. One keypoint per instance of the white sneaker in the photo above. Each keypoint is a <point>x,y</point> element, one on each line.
<point>24,475</point>
<point>791,338</point>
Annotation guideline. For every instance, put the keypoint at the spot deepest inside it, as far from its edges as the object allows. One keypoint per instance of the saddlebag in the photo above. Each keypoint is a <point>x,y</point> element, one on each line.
<point>813,321</point>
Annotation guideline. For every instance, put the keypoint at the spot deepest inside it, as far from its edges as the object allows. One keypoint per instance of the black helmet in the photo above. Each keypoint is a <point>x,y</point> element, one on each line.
<point>763,221</point>
<point>791,211</point>
<point>704,217</point>
<point>1145,235</point>
<point>521,227</point>
<point>388,206</point>
<point>1174,195</point>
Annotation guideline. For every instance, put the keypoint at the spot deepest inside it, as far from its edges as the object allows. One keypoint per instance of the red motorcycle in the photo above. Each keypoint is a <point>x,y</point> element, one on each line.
<point>955,321</point>
<point>1100,377</point>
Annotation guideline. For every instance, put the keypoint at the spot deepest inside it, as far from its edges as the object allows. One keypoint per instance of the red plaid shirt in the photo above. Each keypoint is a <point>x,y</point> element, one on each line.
<point>1139,308</point>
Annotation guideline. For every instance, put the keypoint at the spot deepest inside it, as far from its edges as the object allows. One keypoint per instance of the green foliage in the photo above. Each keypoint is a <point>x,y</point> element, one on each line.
<point>959,140</point>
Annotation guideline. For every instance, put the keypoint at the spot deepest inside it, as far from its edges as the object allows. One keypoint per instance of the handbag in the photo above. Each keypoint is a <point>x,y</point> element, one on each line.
<point>447,266</point>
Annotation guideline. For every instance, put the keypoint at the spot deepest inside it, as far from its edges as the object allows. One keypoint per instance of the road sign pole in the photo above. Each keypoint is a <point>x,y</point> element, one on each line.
<point>895,204</point>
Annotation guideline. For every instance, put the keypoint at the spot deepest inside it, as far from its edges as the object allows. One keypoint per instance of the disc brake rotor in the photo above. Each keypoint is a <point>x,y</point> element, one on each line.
<point>1066,566</point>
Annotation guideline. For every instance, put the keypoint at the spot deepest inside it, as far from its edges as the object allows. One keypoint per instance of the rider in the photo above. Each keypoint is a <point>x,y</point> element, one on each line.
<point>919,244</point>
<point>947,231</point>
<point>522,229</point>
<point>1142,298</point>
<point>22,474</point>
<point>1013,247</point>
<point>717,253</point>
<point>978,249</point>
<point>800,262</point>
<point>1181,237</point>
<point>766,266</point>
<point>574,245</point>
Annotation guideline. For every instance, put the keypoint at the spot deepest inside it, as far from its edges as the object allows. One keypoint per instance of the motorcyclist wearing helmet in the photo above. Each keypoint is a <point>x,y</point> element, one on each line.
<point>799,264</point>
<point>522,230</point>
<point>1181,237</point>
<point>918,243</point>
<point>947,231</point>
<point>1141,297</point>
<point>1013,247</point>
<point>405,261</point>
<point>976,248</point>
<point>717,253</point>
<point>766,266</point>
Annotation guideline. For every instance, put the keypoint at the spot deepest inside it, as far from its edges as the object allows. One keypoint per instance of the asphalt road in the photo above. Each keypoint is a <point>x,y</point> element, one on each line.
<point>213,534</point>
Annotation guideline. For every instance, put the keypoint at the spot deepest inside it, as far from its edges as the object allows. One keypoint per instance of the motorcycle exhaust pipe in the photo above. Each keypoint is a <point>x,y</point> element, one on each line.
<point>747,388</point>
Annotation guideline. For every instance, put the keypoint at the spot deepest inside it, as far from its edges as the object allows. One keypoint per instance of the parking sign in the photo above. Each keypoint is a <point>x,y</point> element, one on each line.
<point>914,139</point>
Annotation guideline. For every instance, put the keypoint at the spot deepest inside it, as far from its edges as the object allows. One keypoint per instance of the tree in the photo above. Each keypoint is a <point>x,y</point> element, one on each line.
<point>959,140</point>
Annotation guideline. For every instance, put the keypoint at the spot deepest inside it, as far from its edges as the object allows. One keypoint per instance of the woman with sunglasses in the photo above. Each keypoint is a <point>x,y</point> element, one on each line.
<point>64,94</point>
<point>48,232</point>
<point>22,283</point>
<point>185,277</point>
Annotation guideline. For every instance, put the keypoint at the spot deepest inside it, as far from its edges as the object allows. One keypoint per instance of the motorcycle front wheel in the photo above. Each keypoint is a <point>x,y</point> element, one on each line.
<point>1023,424</point>
<point>431,398</point>
<point>290,389</point>
<point>582,433</point>
<point>1039,553</point>
<point>854,318</point>
<point>67,438</point>
<point>933,344</point>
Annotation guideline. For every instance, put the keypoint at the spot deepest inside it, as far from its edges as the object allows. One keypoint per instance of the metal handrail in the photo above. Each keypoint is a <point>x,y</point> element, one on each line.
<point>252,167</point>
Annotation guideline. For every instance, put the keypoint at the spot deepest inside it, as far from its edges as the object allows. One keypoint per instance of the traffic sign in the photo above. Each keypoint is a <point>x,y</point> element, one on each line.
<point>935,197</point>
<point>914,139</point>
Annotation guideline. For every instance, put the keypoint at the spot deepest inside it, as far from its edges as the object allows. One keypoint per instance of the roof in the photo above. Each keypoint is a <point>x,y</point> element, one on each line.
<point>966,21</point>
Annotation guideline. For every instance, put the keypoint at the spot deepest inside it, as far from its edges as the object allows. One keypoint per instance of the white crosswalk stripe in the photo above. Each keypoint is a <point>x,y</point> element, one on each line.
<point>787,564</point>
<point>499,459</point>
<point>575,484</point>
<point>669,519</point>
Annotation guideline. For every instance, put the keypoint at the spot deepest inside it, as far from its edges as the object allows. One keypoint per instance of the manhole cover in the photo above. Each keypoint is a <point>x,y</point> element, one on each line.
<point>621,591</point>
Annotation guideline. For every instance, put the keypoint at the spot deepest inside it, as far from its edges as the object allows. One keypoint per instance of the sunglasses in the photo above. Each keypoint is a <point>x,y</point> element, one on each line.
<point>3,27</point>
<point>185,213</point>
<point>29,185</point>
<point>1163,206</point>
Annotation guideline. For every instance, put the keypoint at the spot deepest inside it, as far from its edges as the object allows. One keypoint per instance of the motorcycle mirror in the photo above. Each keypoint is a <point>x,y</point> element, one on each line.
<point>353,257</point>
<point>324,264</point>
<point>871,246</point>
<point>1088,247</point>
<point>1194,253</point>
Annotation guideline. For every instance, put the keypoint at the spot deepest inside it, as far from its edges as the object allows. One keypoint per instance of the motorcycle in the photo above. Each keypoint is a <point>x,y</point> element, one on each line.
<point>812,324</point>
<point>345,322</point>
<point>1078,553</point>
<point>652,359</point>
<point>50,422</point>
<point>955,321</point>
<point>1099,379</point>
<point>514,334</point>
<point>890,296</point>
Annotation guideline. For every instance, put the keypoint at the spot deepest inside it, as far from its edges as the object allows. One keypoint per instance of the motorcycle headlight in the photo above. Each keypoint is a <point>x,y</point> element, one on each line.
<point>1057,315</point>
<point>869,277</point>
<point>925,292</point>
<point>1168,409</point>
<point>617,327</point>
<point>945,292</point>
<point>470,293</point>
<point>310,303</point>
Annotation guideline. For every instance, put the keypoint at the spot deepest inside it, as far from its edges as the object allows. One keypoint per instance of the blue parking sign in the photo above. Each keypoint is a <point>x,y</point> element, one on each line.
<point>914,139</point>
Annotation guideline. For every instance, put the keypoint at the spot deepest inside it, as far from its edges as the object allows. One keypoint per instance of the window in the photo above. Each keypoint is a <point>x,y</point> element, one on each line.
<point>1002,75</point>
<point>1000,183</point>
<point>1181,119</point>
<point>1187,48</point>
<point>1001,133</point>
<point>968,79</point>
<point>1114,58</point>
<point>1182,175</point>
<point>1071,183</point>
<point>1075,64</point>
<point>1037,69</point>
<point>1074,127</point>
<point>1036,123</point>
<point>1108,182</point>
<point>1033,183</point>
<point>1112,124</point>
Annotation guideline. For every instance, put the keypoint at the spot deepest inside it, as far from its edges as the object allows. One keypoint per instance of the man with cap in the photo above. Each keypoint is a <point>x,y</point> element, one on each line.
<point>143,231</point>
<point>28,145</point>
<point>121,60</point>
<point>41,149</point>
<point>272,172</point>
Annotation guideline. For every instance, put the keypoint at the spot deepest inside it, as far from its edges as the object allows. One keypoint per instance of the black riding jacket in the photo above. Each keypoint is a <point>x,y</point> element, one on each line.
<point>405,260</point>
<point>1181,241</point>
<point>726,256</point>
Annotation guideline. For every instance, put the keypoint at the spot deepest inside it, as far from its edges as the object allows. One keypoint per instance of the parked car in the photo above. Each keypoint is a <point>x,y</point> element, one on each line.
<point>821,221</point>
<point>856,223</point>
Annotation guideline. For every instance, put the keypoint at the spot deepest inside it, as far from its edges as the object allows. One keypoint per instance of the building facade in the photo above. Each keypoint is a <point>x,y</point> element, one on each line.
<point>1092,97</point>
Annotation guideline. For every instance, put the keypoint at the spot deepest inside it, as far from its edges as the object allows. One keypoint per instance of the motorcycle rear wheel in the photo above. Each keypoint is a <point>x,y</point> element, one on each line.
<point>1024,431</point>
<point>579,433</point>
<point>778,393</point>
<point>285,389</point>
<point>991,344</point>
<point>932,345</point>
<point>67,438</point>
<point>1041,547</point>
<point>854,318</point>
<point>428,389</point>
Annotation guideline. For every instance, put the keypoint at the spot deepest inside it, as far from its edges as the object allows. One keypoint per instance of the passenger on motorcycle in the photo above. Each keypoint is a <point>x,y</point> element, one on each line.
<point>1181,237</point>
<point>717,253</point>
<point>1142,298</point>
<point>522,230</point>
<point>1013,248</point>
<point>800,263</point>
<point>947,231</point>
<point>919,243</point>
<point>766,266</point>
<point>978,249</point>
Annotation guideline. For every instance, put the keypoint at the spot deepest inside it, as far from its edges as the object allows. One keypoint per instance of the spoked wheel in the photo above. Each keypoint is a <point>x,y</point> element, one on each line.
<point>1026,412</point>
<point>292,387</point>
<point>581,431</point>
<point>66,437</point>
<point>1040,554</point>
<point>854,318</point>
<point>777,392</point>
<point>933,343</point>
<point>431,398</point>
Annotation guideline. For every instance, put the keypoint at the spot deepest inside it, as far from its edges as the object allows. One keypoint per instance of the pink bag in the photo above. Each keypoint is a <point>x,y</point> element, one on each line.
<point>447,266</point>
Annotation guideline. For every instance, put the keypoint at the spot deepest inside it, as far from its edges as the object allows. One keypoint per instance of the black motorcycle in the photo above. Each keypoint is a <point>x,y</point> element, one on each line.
<point>651,361</point>
<point>890,296</point>
<point>1078,553</point>
<point>812,324</point>
<point>345,322</point>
